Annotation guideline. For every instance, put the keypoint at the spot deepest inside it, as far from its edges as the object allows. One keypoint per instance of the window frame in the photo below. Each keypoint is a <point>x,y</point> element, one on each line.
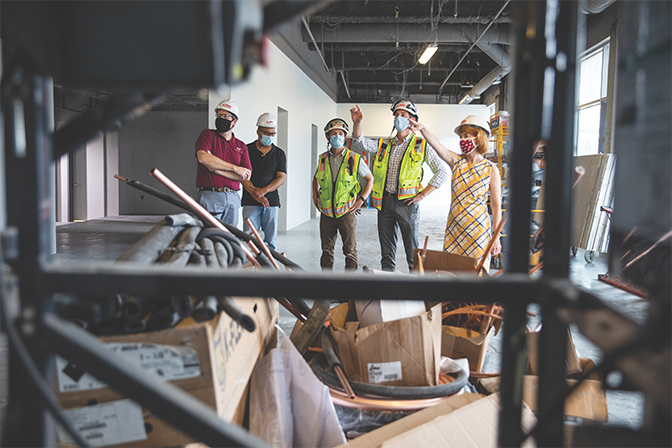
<point>604,48</point>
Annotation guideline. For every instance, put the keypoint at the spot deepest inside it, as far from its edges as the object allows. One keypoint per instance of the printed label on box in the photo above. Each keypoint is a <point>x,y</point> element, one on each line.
<point>168,362</point>
<point>384,371</point>
<point>106,424</point>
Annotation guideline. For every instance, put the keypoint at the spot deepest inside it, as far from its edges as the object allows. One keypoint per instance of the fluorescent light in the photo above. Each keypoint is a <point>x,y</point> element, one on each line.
<point>427,54</point>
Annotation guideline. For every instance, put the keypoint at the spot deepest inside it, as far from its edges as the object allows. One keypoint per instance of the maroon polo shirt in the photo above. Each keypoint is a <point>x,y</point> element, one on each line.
<point>233,151</point>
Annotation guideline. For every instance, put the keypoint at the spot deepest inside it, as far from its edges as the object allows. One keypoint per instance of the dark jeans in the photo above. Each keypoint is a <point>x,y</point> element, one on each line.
<point>396,213</point>
<point>329,227</point>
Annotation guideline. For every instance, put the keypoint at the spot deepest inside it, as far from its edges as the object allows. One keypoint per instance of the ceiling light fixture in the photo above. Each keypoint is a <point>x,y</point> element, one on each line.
<point>427,54</point>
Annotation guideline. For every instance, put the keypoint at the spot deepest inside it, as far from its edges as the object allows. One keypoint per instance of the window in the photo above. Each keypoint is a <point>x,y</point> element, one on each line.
<point>592,101</point>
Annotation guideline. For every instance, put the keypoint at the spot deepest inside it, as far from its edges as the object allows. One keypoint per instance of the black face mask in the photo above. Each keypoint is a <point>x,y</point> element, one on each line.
<point>222,124</point>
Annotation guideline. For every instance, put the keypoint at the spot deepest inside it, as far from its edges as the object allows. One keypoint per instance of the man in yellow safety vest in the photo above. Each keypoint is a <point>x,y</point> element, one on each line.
<point>397,186</point>
<point>337,193</point>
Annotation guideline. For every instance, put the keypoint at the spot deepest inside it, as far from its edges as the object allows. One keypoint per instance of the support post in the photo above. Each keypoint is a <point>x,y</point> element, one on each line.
<point>528,93</point>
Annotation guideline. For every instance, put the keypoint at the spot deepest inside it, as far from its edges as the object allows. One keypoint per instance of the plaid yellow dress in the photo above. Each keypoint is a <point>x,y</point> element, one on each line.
<point>468,228</point>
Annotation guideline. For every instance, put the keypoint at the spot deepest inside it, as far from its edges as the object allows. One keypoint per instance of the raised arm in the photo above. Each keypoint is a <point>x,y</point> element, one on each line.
<point>357,116</point>
<point>448,156</point>
<point>359,142</point>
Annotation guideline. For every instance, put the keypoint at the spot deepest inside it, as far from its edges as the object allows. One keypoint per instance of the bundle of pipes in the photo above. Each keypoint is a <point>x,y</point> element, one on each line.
<point>258,254</point>
<point>478,317</point>
<point>178,241</point>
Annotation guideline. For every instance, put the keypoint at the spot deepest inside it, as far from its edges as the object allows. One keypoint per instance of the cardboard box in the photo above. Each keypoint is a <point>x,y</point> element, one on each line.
<point>474,425</point>
<point>375,438</point>
<point>438,260</point>
<point>573,364</point>
<point>212,361</point>
<point>372,312</point>
<point>459,343</point>
<point>403,352</point>
<point>588,401</point>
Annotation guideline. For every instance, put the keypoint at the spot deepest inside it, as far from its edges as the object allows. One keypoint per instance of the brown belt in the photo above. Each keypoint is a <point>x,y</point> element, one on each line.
<point>218,189</point>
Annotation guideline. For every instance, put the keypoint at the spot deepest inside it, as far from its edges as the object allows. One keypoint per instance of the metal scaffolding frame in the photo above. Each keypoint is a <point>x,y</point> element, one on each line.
<point>30,148</point>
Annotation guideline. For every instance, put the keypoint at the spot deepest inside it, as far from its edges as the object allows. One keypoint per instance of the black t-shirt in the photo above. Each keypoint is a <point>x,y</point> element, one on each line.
<point>264,171</point>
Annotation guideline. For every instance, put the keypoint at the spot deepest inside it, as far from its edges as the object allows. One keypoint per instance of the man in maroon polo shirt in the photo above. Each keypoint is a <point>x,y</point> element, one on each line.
<point>223,162</point>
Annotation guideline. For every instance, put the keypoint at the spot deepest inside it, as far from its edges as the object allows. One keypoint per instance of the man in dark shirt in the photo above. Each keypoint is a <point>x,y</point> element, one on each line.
<point>223,163</point>
<point>261,200</point>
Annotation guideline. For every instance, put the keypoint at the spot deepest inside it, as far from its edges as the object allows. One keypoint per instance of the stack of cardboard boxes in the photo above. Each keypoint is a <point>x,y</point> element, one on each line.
<point>212,361</point>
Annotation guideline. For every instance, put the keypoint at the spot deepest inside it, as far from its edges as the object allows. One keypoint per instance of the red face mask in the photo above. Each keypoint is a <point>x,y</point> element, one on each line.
<point>467,145</point>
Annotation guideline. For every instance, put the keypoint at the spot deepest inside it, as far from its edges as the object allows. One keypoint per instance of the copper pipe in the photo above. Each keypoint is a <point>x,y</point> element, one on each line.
<point>536,268</point>
<point>255,250</point>
<point>485,324</point>
<point>123,179</point>
<point>473,374</point>
<point>291,308</point>
<point>344,382</point>
<point>495,235</point>
<point>203,213</point>
<point>262,244</point>
<point>380,404</point>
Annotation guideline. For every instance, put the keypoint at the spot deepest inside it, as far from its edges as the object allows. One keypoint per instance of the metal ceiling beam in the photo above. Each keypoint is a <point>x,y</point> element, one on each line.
<point>408,83</point>
<point>356,48</point>
<point>386,33</point>
<point>333,20</point>
<point>402,68</point>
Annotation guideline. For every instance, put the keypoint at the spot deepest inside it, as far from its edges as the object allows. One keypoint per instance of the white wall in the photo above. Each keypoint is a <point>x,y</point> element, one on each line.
<point>282,84</point>
<point>440,119</point>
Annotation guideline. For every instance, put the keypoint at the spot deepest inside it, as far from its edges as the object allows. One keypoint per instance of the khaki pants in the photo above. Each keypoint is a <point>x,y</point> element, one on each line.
<point>329,227</point>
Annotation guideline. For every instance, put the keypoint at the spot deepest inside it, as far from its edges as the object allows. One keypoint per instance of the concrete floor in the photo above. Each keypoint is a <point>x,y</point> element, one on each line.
<point>106,239</point>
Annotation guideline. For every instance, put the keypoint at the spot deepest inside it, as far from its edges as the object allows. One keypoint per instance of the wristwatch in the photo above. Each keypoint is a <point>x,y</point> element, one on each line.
<point>363,198</point>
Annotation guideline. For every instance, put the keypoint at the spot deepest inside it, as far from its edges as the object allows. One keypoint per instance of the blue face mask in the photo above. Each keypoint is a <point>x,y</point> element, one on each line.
<point>400,123</point>
<point>336,141</point>
<point>266,140</point>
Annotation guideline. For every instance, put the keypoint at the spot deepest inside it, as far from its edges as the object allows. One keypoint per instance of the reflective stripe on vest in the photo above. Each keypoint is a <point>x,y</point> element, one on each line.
<point>409,183</point>
<point>336,198</point>
<point>379,174</point>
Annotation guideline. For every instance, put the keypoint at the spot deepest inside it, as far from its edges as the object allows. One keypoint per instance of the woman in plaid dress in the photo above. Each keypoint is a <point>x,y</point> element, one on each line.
<point>469,230</point>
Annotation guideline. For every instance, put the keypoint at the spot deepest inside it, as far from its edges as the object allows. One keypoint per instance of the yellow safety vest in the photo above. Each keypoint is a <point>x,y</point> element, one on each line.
<point>409,183</point>
<point>336,198</point>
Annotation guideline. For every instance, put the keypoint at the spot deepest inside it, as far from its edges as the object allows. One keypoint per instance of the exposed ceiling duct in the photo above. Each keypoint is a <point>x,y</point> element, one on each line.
<point>594,6</point>
<point>483,85</point>
<point>373,47</point>
<point>497,54</point>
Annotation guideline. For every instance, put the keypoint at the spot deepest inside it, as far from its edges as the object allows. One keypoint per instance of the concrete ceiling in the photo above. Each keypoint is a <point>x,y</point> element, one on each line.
<point>373,47</point>
<point>368,50</point>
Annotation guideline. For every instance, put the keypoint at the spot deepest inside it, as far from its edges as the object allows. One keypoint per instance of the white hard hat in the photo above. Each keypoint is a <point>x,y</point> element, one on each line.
<point>406,105</point>
<point>474,121</point>
<point>228,106</point>
<point>337,123</point>
<point>267,120</point>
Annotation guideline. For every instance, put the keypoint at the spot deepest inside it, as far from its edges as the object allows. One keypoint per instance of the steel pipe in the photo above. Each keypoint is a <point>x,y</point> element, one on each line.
<point>90,278</point>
